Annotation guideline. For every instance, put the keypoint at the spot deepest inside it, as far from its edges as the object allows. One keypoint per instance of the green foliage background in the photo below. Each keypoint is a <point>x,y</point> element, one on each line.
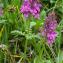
<point>20,41</point>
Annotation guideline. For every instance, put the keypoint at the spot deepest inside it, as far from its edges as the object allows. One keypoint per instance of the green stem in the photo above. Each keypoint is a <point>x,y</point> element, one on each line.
<point>53,8</point>
<point>25,47</point>
<point>52,51</point>
<point>55,5</point>
<point>48,54</point>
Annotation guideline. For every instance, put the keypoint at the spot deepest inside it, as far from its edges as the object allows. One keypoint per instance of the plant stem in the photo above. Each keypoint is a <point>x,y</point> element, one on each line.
<point>25,46</point>
<point>53,8</point>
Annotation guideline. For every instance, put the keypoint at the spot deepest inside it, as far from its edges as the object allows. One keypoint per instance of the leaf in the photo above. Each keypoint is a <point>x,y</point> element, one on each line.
<point>43,15</point>
<point>30,36</point>
<point>59,59</point>
<point>17,32</point>
<point>1,31</point>
<point>32,24</point>
<point>38,60</point>
<point>2,21</point>
<point>1,5</point>
<point>52,1</point>
<point>48,61</point>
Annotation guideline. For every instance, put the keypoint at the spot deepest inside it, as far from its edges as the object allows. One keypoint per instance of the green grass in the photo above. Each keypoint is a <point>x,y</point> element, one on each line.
<point>20,41</point>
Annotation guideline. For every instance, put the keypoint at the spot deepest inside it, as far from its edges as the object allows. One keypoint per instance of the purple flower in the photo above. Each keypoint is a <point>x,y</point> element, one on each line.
<point>30,7</point>
<point>25,9</point>
<point>51,37</point>
<point>50,27</point>
<point>35,9</point>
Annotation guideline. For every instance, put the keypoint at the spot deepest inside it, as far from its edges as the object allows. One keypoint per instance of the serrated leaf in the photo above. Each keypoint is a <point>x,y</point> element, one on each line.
<point>17,32</point>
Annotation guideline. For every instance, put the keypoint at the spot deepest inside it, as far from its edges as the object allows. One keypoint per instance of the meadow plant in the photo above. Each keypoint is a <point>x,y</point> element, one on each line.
<point>30,7</point>
<point>37,38</point>
<point>50,26</point>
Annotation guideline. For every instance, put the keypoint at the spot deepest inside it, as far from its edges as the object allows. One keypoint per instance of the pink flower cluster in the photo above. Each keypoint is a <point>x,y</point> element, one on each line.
<point>49,28</point>
<point>30,7</point>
